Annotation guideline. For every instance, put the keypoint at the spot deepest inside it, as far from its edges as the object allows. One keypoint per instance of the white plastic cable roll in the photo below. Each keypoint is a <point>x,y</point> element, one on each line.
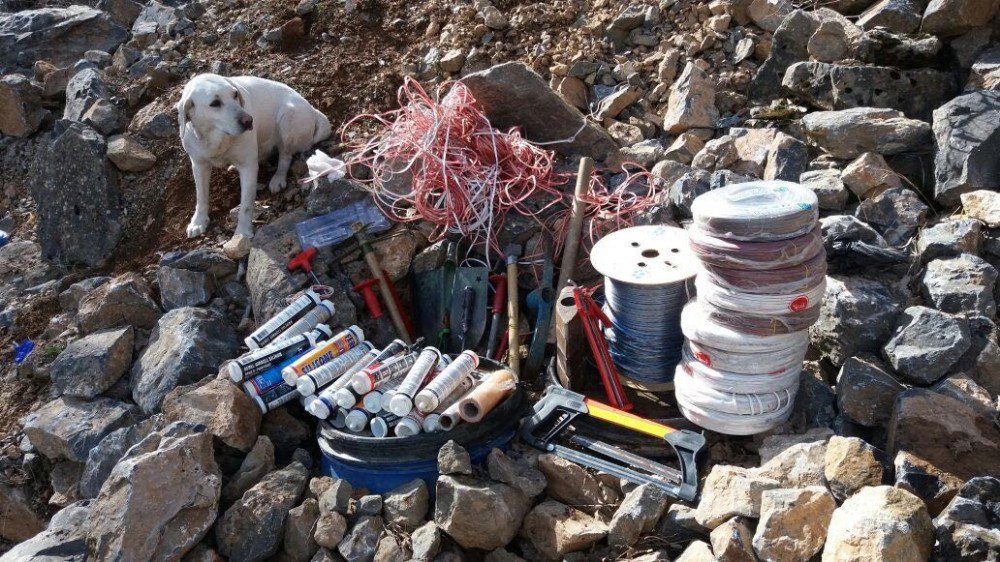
<point>762,324</point>
<point>748,363</point>
<point>757,211</point>
<point>755,255</point>
<point>732,424</point>
<point>795,279</point>
<point>699,327</point>
<point>744,404</point>
<point>744,383</point>
<point>759,304</point>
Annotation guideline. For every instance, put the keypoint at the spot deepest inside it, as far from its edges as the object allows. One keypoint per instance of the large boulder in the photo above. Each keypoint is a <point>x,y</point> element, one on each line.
<point>101,459</point>
<point>68,428</point>
<point>92,364</point>
<point>187,345</point>
<point>64,540</point>
<point>58,35</point>
<point>946,433</point>
<point>479,514</point>
<point>961,285</point>
<point>788,47</point>
<point>252,528</point>
<point>967,137</point>
<point>512,95</point>
<point>124,301</point>
<point>852,464</point>
<point>77,225</point>
<point>160,500</point>
<point>969,529</point>
<point>926,344</point>
<point>793,523</point>
<point>858,315</point>
<point>21,112</point>
<point>866,391</point>
<point>895,213</point>
<point>849,133</point>
<point>954,17</point>
<point>692,102</point>
<point>228,413</point>
<point>832,86</point>
<point>880,524</point>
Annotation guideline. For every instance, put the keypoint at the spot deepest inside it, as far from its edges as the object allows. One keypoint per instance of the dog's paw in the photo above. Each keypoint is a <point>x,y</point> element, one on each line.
<point>196,228</point>
<point>277,184</point>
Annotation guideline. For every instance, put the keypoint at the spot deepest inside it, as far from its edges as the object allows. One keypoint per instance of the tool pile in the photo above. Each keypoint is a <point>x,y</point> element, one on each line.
<point>760,288</point>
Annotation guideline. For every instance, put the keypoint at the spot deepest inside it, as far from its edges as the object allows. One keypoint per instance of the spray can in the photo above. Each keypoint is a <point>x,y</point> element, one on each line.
<point>325,352</point>
<point>382,423</point>
<point>431,423</point>
<point>323,311</point>
<point>450,378</point>
<point>282,320</point>
<point>259,360</point>
<point>321,376</point>
<point>402,400</point>
<point>372,378</point>
<point>410,424</point>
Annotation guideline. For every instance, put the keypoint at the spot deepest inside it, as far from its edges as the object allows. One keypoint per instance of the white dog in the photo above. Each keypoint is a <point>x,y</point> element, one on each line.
<point>239,122</point>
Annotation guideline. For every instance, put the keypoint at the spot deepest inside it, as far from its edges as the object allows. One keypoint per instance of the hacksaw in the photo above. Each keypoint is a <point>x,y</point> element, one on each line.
<point>554,414</point>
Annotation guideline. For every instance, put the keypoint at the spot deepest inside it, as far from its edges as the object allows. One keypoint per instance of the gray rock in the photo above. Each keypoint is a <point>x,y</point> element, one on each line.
<point>954,17</point>
<point>985,71</point>
<point>362,541</point>
<point>160,500</point>
<point>511,95</point>
<point>128,155</point>
<point>228,413</point>
<point>885,48</point>
<point>454,459</point>
<point>944,433</point>
<point>68,428</point>
<point>203,260</point>
<point>252,528</point>
<point>58,35</point>
<point>78,226</point>
<point>815,403</point>
<point>731,491</point>
<point>926,344</point>
<point>965,389</point>
<point>258,462</point>
<point>183,287</point>
<point>285,431</point>
<point>900,16</point>
<point>477,514</point>
<point>692,102</point>
<point>406,506</point>
<point>330,529</point>
<point>960,285</point>
<point>857,315</point>
<point>969,529</point>
<point>797,466</point>
<point>574,486</point>
<point>880,523</point>
<point>21,112</point>
<point>685,190</point>
<point>64,540</point>
<point>123,301</point>
<point>187,345</point>
<point>70,299</point>
<point>556,529</point>
<point>392,548</point>
<point>697,551</point>
<point>733,540</point>
<point>788,46</point>
<point>88,101</point>
<point>895,213</point>
<point>773,445</point>
<point>518,474</point>
<point>152,122</point>
<point>638,513</point>
<point>949,238</point>
<point>967,138</point>
<point>866,391</point>
<point>848,133</point>
<point>793,523</point>
<point>828,187</point>
<point>336,497</point>
<point>917,93</point>
<point>299,544</point>
<point>426,541</point>
<point>102,458</point>
<point>787,159</point>
<point>123,12</point>
<point>679,524</point>
<point>922,479</point>
<point>268,278</point>
<point>91,365</point>
<point>18,520</point>
<point>852,464</point>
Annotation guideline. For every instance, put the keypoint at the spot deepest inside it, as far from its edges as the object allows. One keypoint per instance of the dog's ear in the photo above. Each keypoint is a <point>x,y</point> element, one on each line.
<point>183,107</point>
<point>239,94</point>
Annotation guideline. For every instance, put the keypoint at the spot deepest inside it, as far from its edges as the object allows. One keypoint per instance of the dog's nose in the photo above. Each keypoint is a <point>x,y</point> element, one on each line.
<point>247,122</point>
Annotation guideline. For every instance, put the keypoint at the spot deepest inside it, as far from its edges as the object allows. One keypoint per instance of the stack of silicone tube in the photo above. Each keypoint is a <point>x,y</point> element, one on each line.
<point>761,285</point>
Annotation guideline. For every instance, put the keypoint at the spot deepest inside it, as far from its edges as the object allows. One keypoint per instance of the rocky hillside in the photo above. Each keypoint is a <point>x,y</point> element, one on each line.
<point>119,440</point>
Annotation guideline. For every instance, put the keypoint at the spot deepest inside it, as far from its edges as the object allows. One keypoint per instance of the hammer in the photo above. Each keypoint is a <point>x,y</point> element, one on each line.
<point>512,252</point>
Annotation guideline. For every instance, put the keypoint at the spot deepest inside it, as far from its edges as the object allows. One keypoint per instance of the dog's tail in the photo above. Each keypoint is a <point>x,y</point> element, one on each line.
<point>323,129</point>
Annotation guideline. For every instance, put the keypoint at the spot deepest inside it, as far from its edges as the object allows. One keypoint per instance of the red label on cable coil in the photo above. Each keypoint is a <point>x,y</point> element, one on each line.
<point>799,304</point>
<point>703,357</point>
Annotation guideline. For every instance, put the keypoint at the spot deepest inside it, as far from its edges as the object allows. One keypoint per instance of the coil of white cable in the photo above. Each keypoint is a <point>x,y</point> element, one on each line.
<point>795,279</point>
<point>760,304</point>
<point>732,424</point>
<point>737,254</point>
<point>744,404</point>
<point>742,383</point>
<point>757,211</point>
<point>749,363</point>
<point>762,324</point>
<point>698,326</point>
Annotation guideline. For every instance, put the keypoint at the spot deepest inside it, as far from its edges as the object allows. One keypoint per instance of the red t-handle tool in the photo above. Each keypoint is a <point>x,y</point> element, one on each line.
<point>367,291</point>
<point>303,260</point>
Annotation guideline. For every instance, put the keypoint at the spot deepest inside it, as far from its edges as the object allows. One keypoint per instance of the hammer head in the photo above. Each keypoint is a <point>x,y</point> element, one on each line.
<point>512,252</point>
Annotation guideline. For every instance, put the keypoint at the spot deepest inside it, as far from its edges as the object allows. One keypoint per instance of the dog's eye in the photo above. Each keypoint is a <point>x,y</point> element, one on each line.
<point>216,103</point>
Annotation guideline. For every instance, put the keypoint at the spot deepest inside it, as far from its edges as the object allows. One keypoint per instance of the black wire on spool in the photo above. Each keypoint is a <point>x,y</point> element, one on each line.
<point>647,280</point>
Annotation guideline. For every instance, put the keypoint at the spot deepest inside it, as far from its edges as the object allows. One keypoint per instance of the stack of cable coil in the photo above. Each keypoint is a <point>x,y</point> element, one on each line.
<point>760,288</point>
<point>647,280</point>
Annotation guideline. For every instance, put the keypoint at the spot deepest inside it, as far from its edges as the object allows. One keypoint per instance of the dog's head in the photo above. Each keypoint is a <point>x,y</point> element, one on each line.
<point>212,102</point>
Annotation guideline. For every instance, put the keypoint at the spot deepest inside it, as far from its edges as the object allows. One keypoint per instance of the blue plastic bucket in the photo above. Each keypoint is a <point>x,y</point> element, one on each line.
<point>381,465</point>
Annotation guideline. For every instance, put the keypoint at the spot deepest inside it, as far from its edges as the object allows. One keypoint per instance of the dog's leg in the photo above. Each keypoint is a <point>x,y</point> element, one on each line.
<point>248,193</point>
<point>202,178</point>
<point>278,182</point>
